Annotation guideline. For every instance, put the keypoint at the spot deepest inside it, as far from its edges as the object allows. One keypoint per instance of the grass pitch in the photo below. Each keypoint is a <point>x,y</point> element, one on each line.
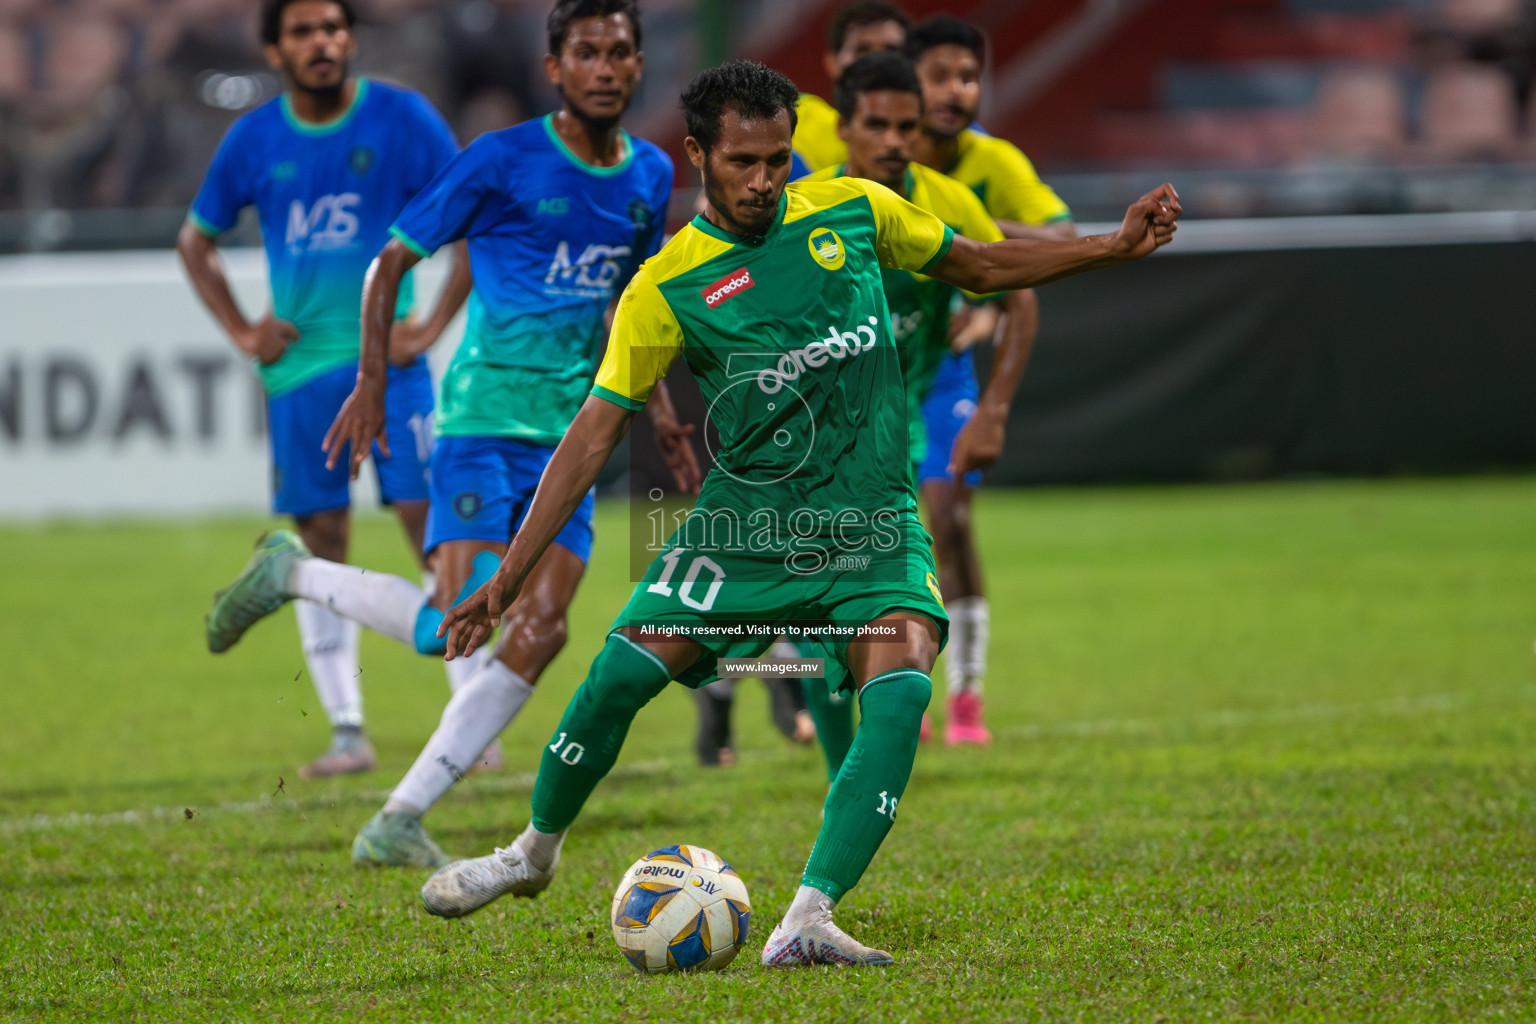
<point>1262,753</point>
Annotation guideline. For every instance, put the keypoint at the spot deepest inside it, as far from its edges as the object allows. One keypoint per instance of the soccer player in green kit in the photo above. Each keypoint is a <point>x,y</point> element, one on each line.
<point>880,108</point>
<point>774,298</point>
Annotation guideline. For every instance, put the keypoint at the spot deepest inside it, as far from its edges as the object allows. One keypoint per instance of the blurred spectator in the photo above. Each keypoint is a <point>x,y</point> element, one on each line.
<point>72,130</point>
<point>1360,116</point>
<point>489,110</point>
<point>1469,114</point>
<point>1499,33</point>
<point>496,45</point>
<point>404,41</point>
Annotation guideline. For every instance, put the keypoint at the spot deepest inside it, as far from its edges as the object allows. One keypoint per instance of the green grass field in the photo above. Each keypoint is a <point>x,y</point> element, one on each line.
<point>1264,753</point>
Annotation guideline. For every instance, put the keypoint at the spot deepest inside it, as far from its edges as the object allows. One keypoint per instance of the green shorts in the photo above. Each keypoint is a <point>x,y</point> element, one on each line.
<point>735,604</point>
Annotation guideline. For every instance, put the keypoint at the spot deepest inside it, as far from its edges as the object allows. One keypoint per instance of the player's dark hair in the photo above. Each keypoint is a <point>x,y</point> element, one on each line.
<point>942,29</point>
<point>745,86</point>
<point>874,72</point>
<point>566,11</point>
<point>272,17</point>
<point>865,12</point>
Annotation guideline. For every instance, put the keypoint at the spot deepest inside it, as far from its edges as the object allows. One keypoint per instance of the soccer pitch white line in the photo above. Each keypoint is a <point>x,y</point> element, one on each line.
<point>523,781</point>
<point>510,783</point>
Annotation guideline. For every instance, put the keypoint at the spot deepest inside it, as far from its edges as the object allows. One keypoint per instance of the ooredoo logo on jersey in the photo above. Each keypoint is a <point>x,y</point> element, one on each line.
<point>734,283</point>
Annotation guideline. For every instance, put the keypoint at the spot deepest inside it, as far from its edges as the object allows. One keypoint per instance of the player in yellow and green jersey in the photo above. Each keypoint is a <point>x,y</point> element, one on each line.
<point>774,298</point>
<point>880,105</point>
<point>868,26</point>
<point>948,55</point>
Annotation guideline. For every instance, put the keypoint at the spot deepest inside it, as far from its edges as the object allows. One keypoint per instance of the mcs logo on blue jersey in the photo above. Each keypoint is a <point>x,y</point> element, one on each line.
<point>329,225</point>
<point>591,275</point>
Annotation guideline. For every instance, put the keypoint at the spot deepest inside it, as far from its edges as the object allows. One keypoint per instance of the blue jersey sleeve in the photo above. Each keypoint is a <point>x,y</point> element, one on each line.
<point>648,240</point>
<point>448,208</point>
<point>436,144</point>
<point>650,243</point>
<point>798,168</point>
<point>227,188</point>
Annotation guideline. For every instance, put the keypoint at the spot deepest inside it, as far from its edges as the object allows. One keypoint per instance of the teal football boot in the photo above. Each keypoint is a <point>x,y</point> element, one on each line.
<point>398,841</point>
<point>257,592</point>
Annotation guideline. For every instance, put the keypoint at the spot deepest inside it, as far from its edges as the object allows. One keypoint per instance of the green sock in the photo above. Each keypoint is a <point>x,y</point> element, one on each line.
<point>862,805</point>
<point>623,679</point>
<point>833,715</point>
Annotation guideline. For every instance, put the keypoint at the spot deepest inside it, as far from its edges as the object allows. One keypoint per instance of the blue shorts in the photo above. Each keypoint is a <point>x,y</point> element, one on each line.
<point>482,487</point>
<point>298,420</point>
<point>950,404</point>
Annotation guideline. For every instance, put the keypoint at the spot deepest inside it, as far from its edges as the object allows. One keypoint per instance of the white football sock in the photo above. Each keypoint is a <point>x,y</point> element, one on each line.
<point>385,604</point>
<point>461,670</point>
<point>810,906</point>
<point>783,650</point>
<point>965,660</point>
<point>541,848</point>
<point>330,652</point>
<point>476,714</point>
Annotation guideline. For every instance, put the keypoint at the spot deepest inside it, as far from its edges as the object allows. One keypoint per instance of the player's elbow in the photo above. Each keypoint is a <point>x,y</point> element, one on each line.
<point>192,243</point>
<point>393,261</point>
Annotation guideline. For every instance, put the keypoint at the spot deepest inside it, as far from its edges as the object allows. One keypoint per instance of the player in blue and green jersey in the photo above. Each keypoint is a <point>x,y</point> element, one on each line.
<point>774,298</point>
<point>948,55</point>
<point>328,165</point>
<point>558,212</point>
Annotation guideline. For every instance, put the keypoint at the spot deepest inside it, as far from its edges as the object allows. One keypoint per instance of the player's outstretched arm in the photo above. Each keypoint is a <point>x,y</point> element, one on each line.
<point>411,337</point>
<point>1009,265</point>
<point>569,474</point>
<point>361,419</point>
<point>265,340</point>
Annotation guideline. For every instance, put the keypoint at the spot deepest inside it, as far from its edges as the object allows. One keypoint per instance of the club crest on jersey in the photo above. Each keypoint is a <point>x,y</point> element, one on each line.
<point>827,248</point>
<point>361,159</point>
<point>729,286</point>
<point>639,211</point>
<point>467,505</point>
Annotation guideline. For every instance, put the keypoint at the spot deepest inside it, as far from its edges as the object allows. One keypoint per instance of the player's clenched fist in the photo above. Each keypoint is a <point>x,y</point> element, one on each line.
<point>1149,222</point>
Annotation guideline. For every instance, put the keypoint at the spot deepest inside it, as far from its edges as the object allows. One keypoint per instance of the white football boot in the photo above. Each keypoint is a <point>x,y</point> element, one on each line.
<point>465,886</point>
<point>820,942</point>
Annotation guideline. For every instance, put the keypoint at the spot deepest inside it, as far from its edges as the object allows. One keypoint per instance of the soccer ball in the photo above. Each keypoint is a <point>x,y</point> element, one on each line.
<point>680,908</point>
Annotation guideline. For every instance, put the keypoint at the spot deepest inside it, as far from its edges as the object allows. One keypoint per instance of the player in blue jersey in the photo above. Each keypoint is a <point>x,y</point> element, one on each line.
<point>558,213</point>
<point>328,165</point>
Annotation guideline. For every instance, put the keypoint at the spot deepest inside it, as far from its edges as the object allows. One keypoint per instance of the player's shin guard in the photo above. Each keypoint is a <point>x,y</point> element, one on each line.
<point>833,715</point>
<point>623,679</point>
<point>863,803</point>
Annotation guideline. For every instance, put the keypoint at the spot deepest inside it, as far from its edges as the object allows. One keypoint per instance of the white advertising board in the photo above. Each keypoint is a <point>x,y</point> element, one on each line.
<point>120,395</point>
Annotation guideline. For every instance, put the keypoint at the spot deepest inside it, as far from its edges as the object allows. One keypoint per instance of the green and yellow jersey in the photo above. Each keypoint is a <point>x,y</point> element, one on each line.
<point>816,133</point>
<point>1004,180</point>
<point>920,305</point>
<point>790,338</point>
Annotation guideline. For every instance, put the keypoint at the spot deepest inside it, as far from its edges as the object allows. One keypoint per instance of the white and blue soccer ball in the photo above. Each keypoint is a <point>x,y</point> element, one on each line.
<point>680,908</point>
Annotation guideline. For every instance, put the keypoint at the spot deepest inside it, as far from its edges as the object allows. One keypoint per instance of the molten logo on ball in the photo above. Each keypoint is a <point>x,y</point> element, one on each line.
<point>696,924</point>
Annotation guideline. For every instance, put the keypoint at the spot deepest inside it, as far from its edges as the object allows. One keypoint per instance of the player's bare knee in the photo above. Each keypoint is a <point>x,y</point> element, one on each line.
<point>539,632</point>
